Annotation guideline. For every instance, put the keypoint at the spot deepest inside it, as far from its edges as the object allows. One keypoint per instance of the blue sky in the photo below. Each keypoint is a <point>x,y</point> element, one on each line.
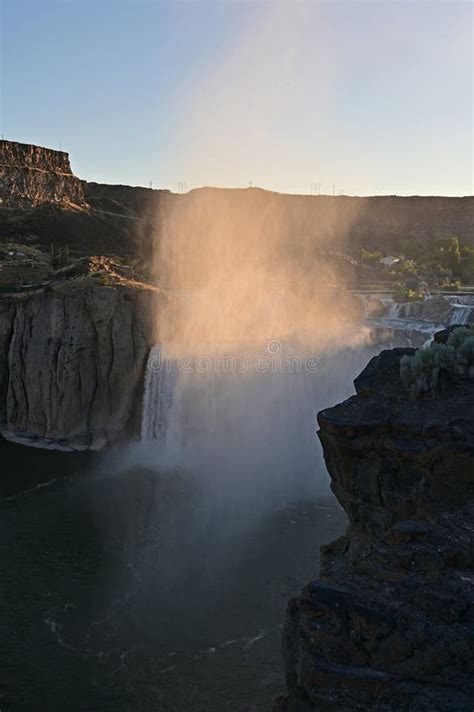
<point>370,97</point>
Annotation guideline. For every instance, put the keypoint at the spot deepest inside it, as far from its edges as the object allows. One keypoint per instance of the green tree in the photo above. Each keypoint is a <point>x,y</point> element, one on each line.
<point>448,253</point>
<point>370,257</point>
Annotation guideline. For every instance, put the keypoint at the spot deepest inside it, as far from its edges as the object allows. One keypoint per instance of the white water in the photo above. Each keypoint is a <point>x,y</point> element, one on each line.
<point>157,397</point>
<point>395,309</point>
<point>461,314</point>
<point>411,318</point>
<point>256,426</point>
<point>252,430</point>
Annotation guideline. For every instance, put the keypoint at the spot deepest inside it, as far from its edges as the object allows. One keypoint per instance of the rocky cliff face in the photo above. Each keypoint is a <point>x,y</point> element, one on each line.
<point>72,360</point>
<point>389,624</point>
<point>32,175</point>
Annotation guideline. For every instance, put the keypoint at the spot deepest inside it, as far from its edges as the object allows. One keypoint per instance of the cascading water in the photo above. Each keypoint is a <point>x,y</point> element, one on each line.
<point>396,311</point>
<point>251,425</point>
<point>157,397</point>
<point>415,323</point>
<point>246,417</point>
<point>461,314</point>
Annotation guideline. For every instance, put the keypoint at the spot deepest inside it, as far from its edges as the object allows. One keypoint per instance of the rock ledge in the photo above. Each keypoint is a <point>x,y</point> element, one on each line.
<point>389,624</point>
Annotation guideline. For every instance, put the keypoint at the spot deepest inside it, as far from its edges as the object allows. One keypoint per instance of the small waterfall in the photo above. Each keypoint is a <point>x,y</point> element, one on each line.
<point>402,325</point>
<point>413,323</point>
<point>461,314</point>
<point>157,397</point>
<point>396,311</point>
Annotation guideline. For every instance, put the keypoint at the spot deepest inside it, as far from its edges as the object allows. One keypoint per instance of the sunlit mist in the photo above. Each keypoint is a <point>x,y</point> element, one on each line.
<point>249,268</point>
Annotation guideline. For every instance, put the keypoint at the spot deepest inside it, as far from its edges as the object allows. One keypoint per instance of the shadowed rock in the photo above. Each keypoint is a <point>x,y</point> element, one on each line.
<point>389,625</point>
<point>72,359</point>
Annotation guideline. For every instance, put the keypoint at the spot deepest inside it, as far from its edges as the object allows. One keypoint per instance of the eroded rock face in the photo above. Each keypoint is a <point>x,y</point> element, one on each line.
<point>72,361</point>
<point>388,626</point>
<point>32,175</point>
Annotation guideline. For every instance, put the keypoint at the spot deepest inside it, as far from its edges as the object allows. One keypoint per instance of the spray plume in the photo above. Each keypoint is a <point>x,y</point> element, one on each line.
<point>251,270</point>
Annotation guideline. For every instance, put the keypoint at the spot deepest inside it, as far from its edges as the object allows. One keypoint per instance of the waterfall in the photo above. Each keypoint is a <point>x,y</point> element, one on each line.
<point>250,424</point>
<point>396,311</point>
<point>157,397</point>
<point>247,426</point>
<point>414,323</point>
<point>461,314</point>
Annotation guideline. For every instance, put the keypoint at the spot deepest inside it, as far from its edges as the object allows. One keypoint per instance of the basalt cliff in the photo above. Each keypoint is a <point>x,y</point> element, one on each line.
<point>72,357</point>
<point>389,624</point>
<point>33,175</point>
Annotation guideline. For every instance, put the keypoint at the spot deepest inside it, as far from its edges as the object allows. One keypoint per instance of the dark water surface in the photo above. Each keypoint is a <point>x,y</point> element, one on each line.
<point>127,589</point>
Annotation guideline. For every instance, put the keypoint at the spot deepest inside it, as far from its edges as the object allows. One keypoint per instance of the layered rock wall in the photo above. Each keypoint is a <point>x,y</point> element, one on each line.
<point>389,625</point>
<point>32,175</point>
<point>72,362</point>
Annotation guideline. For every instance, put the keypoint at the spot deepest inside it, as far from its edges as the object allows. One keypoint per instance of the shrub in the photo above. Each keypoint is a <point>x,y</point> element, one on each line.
<point>430,368</point>
<point>448,252</point>
<point>406,294</point>
<point>434,273</point>
<point>452,284</point>
<point>370,257</point>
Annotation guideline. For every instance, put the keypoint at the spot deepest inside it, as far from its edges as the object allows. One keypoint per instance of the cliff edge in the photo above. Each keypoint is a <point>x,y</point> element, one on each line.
<point>32,175</point>
<point>72,357</point>
<point>389,624</point>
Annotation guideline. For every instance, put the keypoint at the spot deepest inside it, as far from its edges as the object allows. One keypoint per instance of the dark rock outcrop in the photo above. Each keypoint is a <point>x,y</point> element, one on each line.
<point>72,360</point>
<point>389,625</point>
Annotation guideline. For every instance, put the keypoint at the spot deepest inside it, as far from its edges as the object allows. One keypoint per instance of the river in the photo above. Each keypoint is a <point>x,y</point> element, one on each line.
<point>123,590</point>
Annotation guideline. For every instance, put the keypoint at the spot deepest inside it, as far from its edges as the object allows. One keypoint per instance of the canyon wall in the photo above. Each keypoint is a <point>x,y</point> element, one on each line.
<point>124,220</point>
<point>310,223</point>
<point>72,362</point>
<point>389,624</point>
<point>132,222</point>
<point>32,175</point>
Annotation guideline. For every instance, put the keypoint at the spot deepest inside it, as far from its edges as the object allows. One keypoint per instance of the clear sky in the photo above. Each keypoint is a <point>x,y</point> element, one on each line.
<point>372,97</point>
